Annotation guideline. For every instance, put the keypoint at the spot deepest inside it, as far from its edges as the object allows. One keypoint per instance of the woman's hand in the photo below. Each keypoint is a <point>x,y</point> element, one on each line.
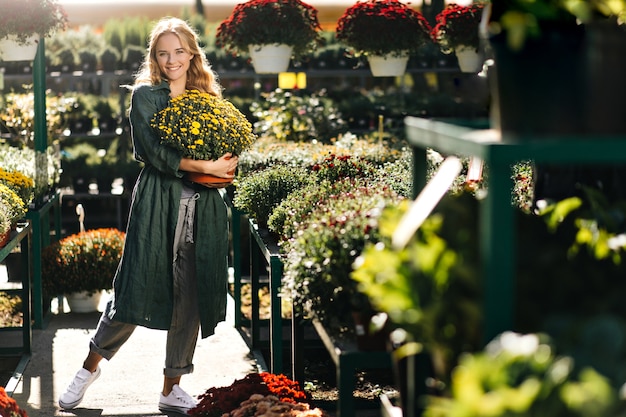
<point>224,167</point>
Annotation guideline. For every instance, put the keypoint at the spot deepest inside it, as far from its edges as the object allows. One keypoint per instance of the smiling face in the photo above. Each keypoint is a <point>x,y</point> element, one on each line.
<point>173,60</point>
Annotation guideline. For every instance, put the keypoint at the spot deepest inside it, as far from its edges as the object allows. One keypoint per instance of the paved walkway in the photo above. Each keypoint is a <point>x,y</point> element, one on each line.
<point>130,383</point>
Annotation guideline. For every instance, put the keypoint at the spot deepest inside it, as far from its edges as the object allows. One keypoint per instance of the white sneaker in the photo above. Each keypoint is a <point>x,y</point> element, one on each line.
<point>178,401</point>
<point>74,393</point>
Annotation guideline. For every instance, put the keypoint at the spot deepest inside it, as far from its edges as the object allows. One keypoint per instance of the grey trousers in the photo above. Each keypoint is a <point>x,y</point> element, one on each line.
<point>183,332</point>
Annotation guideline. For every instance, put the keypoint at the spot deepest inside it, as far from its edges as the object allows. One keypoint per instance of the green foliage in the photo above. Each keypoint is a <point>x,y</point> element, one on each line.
<point>521,375</point>
<point>298,117</point>
<point>431,287</point>
<point>260,192</point>
<point>267,151</point>
<point>82,262</point>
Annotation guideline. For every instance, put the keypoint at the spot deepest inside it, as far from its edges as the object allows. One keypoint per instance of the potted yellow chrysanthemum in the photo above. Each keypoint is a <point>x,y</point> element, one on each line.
<point>203,126</point>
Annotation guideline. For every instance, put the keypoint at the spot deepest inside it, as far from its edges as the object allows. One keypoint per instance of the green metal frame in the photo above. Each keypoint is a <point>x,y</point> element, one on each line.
<point>497,231</point>
<point>23,238</point>
<point>348,359</point>
<point>264,248</point>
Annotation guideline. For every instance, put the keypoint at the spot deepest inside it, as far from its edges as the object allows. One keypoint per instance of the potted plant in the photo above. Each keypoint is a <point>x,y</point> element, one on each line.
<point>14,206</point>
<point>535,43</point>
<point>9,407</point>
<point>23,22</point>
<point>456,31</point>
<point>21,184</point>
<point>287,26</point>
<point>82,263</point>
<point>604,63</point>
<point>383,31</point>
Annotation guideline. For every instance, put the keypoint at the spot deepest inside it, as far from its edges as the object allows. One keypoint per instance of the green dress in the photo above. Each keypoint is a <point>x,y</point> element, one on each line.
<point>143,281</point>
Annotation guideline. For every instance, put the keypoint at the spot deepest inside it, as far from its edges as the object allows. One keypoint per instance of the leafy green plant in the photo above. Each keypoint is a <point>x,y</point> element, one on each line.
<point>84,261</point>
<point>258,193</point>
<point>522,375</point>
<point>522,20</point>
<point>430,288</point>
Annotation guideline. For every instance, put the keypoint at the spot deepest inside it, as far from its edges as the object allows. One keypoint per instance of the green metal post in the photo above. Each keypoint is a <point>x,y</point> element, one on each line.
<point>41,170</point>
<point>276,325</point>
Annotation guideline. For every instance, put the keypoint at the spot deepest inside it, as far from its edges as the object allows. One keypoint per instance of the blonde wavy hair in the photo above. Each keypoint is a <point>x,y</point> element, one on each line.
<point>200,75</point>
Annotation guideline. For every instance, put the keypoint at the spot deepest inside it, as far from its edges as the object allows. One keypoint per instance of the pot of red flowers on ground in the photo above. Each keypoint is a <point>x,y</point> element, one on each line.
<point>386,32</point>
<point>457,30</point>
<point>23,22</point>
<point>271,32</point>
<point>204,127</point>
<point>81,266</point>
<point>9,407</point>
<point>254,395</point>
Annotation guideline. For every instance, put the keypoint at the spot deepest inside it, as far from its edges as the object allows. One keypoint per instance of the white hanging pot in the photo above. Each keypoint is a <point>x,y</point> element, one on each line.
<point>83,302</point>
<point>11,50</point>
<point>270,59</point>
<point>470,60</point>
<point>388,65</point>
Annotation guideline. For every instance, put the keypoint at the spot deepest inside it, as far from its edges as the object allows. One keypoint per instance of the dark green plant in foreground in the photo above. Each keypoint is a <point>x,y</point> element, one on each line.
<point>260,192</point>
<point>522,375</point>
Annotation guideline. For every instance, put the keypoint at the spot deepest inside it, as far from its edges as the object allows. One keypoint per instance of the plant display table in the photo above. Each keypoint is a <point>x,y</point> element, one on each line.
<point>496,220</point>
<point>22,236</point>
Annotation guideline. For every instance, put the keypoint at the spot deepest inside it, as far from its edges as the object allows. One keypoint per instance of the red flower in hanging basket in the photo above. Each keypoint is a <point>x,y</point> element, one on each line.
<point>263,22</point>
<point>24,18</point>
<point>381,27</point>
<point>458,26</point>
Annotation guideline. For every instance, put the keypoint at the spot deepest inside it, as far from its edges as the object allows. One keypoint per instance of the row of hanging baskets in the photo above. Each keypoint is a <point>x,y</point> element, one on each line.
<point>382,32</point>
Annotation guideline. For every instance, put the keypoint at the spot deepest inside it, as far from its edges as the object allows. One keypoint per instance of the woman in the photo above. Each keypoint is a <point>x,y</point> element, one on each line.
<point>173,271</point>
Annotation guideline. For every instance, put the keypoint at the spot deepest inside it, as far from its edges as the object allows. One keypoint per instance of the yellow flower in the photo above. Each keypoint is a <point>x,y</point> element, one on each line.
<point>202,126</point>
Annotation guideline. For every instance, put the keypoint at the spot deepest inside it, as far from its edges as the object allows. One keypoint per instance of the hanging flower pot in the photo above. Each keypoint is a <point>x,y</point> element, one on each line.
<point>380,28</point>
<point>12,50</point>
<point>457,30</point>
<point>270,59</point>
<point>388,65</point>
<point>470,60</point>
<point>263,22</point>
<point>23,22</point>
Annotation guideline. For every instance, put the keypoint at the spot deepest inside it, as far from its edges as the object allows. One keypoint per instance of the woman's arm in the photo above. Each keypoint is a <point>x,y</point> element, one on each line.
<point>144,104</point>
<point>223,167</point>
